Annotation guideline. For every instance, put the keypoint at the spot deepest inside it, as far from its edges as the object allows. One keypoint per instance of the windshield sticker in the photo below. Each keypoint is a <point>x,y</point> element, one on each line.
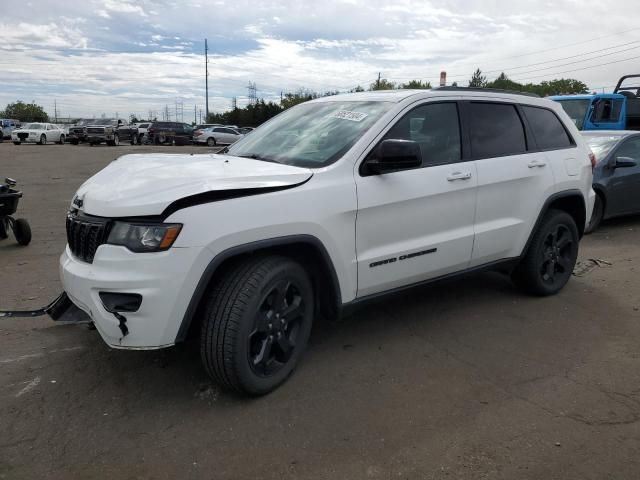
<point>347,115</point>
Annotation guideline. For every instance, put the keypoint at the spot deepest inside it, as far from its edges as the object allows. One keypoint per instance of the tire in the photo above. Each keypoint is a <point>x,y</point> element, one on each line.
<point>43,139</point>
<point>161,139</point>
<point>116,140</point>
<point>597,216</point>
<point>74,142</point>
<point>141,139</point>
<point>246,345</point>
<point>134,139</point>
<point>211,142</point>
<point>551,256</point>
<point>17,143</point>
<point>22,231</point>
<point>61,141</point>
<point>3,228</point>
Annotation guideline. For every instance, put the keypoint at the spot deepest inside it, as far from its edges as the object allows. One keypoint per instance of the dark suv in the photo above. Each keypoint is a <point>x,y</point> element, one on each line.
<point>170,132</point>
<point>112,131</point>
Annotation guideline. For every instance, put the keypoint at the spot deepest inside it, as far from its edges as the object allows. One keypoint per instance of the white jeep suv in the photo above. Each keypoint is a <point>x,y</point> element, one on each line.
<point>331,203</point>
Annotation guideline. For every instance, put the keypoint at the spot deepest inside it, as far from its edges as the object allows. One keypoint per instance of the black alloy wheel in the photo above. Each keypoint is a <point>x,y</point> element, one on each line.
<point>556,261</point>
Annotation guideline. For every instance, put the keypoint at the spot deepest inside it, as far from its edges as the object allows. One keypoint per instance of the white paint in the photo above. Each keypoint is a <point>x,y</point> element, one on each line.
<point>30,386</point>
<point>38,355</point>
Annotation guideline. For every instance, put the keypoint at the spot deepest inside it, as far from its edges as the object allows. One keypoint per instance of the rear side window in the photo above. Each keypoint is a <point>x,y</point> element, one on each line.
<point>547,128</point>
<point>496,130</point>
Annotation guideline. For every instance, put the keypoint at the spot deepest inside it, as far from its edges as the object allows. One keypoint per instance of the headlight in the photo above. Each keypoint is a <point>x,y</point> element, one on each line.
<point>144,238</point>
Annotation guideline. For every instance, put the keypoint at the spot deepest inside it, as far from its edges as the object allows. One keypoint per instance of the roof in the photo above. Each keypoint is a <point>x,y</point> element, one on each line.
<point>397,96</point>
<point>585,96</point>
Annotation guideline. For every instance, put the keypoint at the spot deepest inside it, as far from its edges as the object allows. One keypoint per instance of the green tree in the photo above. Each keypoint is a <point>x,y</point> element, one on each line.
<point>383,84</point>
<point>504,83</point>
<point>25,112</point>
<point>478,80</point>
<point>416,84</point>
<point>357,89</point>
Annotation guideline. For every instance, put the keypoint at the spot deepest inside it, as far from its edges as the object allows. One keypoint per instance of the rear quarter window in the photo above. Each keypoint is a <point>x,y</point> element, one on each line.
<point>548,130</point>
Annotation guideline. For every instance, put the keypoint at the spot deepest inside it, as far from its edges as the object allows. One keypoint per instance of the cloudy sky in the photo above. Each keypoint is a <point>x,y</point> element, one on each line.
<point>126,56</point>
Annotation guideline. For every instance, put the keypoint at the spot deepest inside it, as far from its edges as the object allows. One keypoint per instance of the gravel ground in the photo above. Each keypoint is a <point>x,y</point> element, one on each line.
<point>464,380</point>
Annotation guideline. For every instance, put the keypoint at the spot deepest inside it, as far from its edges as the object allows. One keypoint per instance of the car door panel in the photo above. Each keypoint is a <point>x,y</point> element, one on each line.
<point>624,183</point>
<point>417,224</point>
<point>511,181</point>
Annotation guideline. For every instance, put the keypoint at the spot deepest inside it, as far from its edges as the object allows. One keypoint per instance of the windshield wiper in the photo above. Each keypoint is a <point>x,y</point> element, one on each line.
<point>255,156</point>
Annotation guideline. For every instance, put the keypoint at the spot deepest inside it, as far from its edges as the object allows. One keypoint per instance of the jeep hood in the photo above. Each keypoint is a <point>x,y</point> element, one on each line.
<point>146,184</point>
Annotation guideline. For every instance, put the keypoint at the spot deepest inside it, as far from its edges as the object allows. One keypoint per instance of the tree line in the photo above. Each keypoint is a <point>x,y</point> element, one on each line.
<point>261,111</point>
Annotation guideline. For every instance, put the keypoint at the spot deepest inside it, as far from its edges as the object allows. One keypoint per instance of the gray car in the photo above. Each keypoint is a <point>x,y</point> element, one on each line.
<point>616,177</point>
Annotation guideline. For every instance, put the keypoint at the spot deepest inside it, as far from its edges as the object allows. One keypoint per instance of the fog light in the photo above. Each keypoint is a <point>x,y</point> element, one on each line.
<point>121,302</point>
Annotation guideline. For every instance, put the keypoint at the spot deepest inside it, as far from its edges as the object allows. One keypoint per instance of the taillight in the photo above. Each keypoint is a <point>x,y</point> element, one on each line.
<point>592,157</point>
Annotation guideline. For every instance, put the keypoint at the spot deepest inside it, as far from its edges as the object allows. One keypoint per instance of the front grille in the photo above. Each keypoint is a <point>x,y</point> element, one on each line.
<point>95,130</point>
<point>85,235</point>
<point>77,130</point>
<point>23,136</point>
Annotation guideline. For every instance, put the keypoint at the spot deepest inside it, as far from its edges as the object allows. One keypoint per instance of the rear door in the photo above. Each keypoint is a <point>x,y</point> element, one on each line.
<point>417,224</point>
<point>624,183</point>
<point>513,180</point>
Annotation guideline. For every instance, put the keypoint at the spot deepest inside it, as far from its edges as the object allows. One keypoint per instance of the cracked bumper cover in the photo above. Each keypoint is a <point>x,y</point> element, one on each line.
<point>165,280</point>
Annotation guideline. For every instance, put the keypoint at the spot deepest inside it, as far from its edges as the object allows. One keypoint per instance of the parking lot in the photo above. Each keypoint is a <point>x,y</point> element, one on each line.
<point>465,380</point>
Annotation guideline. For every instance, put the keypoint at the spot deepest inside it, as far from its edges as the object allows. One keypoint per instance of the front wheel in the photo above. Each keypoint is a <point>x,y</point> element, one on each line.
<point>551,256</point>
<point>596,216</point>
<point>43,139</point>
<point>134,139</point>
<point>61,141</point>
<point>211,142</point>
<point>257,323</point>
<point>74,142</point>
<point>22,231</point>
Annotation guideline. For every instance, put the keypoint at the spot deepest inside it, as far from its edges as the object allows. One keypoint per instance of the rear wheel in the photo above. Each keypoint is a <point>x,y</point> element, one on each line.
<point>61,141</point>
<point>257,323</point>
<point>596,216</point>
<point>549,261</point>
<point>134,139</point>
<point>43,139</point>
<point>211,142</point>
<point>22,231</point>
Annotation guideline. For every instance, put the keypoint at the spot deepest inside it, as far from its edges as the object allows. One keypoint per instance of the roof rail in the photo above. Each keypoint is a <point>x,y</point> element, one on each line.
<point>480,89</point>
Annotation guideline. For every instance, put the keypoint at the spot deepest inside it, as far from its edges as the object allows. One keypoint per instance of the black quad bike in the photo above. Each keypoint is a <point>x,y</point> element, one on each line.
<point>9,198</point>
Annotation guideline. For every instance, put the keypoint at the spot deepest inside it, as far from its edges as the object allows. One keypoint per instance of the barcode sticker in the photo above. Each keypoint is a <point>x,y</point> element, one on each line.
<point>347,115</point>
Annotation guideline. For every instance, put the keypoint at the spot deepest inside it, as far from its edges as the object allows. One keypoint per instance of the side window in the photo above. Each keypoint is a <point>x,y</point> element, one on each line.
<point>606,110</point>
<point>436,128</point>
<point>630,148</point>
<point>547,128</point>
<point>496,130</point>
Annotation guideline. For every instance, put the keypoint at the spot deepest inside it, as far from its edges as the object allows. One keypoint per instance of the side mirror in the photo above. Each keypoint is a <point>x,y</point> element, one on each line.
<point>10,181</point>
<point>623,162</point>
<point>395,155</point>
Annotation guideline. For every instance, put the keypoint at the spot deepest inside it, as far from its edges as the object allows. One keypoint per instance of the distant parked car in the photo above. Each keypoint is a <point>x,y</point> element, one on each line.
<point>112,131</point>
<point>41,133</point>
<point>245,130</point>
<point>142,131</point>
<point>170,132</point>
<point>217,136</point>
<point>616,177</point>
<point>7,125</point>
<point>78,132</point>
<point>204,126</point>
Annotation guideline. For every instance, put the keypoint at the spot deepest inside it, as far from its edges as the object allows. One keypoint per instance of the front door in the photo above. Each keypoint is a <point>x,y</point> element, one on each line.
<point>417,224</point>
<point>624,183</point>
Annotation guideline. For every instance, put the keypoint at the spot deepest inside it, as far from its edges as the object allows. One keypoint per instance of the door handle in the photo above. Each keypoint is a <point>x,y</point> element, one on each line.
<point>459,176</point>
<point>536,164</point>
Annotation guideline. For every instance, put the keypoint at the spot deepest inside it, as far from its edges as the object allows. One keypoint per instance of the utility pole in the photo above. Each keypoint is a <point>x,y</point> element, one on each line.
<point>55,110</point>
<point>195,114</point>
<point>378,82</point>
<point>206,78</point>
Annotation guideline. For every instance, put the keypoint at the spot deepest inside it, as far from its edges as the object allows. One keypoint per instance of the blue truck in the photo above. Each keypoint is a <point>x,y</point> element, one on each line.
<point>619,110</point>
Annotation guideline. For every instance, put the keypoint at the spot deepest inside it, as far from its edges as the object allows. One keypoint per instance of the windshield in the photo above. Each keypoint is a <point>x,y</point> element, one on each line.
<point>106,121</point>
<point>34,126</point>
<point>576,109</point>
<point>86,122</point>
<point>312,134</point>
<point>602,145</point>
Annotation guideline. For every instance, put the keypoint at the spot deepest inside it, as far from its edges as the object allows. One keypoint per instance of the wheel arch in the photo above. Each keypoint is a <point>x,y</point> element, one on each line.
<point>602,193</point>
<point>306,249</point>
<point>570,201</point>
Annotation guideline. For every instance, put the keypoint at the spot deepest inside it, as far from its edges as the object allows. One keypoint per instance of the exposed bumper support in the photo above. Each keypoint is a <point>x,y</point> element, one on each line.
<point>61,309</point>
